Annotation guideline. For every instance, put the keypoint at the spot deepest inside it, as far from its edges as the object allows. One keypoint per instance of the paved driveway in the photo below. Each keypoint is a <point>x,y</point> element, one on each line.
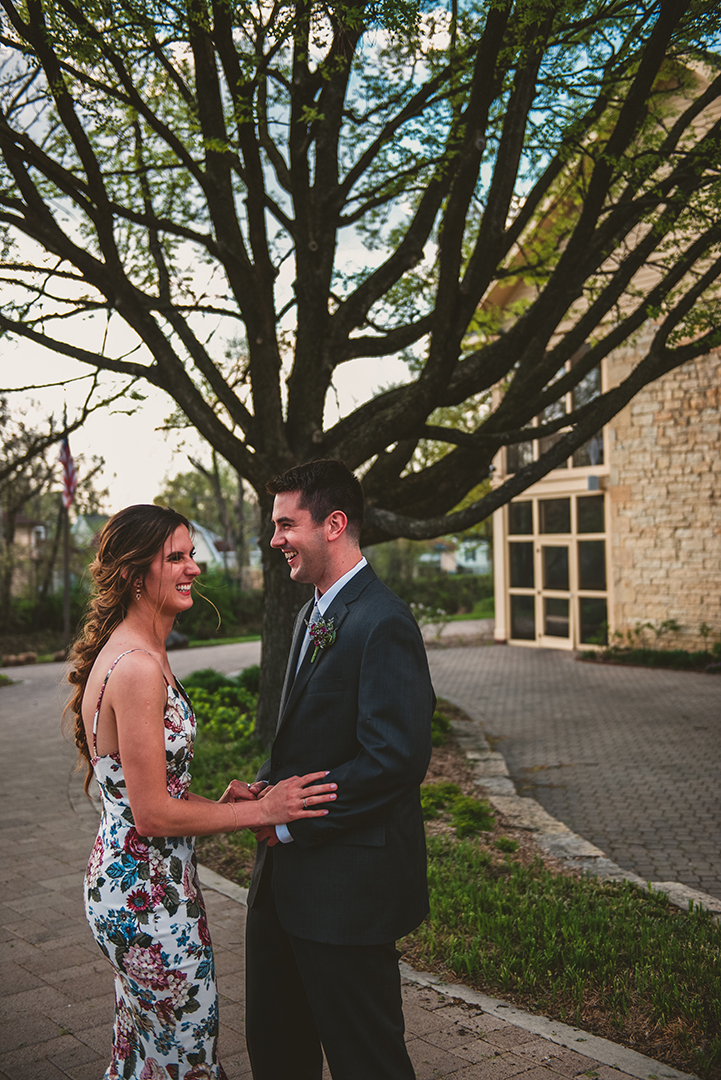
<point>626,757</point>
<point>56,994</point>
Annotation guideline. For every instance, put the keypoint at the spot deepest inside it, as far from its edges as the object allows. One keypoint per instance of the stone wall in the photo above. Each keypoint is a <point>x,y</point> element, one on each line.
<point>665,502</point>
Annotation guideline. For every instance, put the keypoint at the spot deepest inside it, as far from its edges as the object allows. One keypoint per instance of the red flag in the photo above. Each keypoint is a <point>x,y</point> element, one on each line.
<point>70,476</point>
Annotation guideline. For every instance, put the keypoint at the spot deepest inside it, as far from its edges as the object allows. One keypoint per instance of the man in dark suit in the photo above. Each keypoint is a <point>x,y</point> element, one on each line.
<point>330,895</point>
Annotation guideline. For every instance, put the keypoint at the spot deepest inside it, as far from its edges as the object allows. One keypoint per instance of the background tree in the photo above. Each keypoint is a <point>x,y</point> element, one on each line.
<point>214,497</point>
<point>169,169</point>
<point>29,471</point>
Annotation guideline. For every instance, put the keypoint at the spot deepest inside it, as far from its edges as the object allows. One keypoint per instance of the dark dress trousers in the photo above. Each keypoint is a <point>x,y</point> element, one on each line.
<point>326,909</point>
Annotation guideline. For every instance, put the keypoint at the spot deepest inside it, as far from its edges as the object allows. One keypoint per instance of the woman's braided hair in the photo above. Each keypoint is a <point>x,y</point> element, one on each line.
<point>127,546</point>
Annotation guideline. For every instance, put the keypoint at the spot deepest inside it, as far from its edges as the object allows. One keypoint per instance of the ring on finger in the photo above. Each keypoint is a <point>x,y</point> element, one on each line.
<point>304,806</point>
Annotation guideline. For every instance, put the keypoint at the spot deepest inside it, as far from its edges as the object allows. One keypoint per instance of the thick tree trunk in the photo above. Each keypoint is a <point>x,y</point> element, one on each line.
<point>7,558</point>
<point>283,599</point>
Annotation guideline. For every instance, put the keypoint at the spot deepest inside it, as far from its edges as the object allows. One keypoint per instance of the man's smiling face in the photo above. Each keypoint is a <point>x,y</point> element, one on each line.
<point>301,540</point>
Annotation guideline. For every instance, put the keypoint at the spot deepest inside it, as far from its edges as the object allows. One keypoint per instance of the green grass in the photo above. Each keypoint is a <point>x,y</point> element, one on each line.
<point>563,944</point>
<point>5,681</point>
<point>482,609</point>
<point>504,843</point>
<point>440,728</point>
<point>605,956</point>
<point>435,799</point>
<point>198,643</point>
<point>468,815</point>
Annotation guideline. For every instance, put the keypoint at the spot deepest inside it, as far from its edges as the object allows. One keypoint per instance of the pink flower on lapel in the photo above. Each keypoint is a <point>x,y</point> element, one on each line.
<point>322,633</point>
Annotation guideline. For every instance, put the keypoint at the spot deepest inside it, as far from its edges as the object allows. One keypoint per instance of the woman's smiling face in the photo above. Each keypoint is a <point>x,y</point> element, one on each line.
<point>170,576</point>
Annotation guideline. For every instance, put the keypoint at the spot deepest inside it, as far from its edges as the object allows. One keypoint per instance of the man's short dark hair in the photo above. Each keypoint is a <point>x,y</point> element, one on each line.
<point>325,485</point>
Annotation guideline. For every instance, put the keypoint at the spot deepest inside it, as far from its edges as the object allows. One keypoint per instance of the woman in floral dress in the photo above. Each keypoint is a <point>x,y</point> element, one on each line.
<point>134,729</point>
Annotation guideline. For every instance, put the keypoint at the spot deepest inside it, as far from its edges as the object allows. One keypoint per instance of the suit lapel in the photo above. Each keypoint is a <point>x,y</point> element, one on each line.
<point>292,689</point>
<point>298,633</point>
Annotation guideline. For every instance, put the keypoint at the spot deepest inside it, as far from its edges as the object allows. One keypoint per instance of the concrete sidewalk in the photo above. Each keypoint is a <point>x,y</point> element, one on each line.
<point>56,999</point>
<point>626,757</point>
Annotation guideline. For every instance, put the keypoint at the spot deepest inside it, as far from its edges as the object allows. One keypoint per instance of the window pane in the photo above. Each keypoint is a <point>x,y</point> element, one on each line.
<point>591,453</point>
<point>555,410</point>
<point>555,515</point>
<point>518,455</point>
<point>555,622</point>
<point>546,443</point>
<point>593,621</point>
<point>592,564</point>
<point>589,509</point>
<point>555,568</point>
<point>587,389</point>
<point>521,564</point>
<point>520,518</point>
<point>523,618</point>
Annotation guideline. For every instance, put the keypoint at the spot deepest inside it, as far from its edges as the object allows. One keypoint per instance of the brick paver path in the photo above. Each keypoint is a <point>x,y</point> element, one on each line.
<point>56,997</point>
<point>626,757</point>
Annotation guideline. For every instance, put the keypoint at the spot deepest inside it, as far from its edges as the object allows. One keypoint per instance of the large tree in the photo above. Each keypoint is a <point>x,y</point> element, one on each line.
<point>173,167</point>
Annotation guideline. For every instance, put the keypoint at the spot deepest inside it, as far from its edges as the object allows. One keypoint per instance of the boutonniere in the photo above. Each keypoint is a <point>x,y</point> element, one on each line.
<point>322,634</point>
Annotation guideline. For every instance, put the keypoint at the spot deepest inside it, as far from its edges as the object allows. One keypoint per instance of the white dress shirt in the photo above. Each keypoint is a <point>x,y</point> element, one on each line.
<point>322,602</point>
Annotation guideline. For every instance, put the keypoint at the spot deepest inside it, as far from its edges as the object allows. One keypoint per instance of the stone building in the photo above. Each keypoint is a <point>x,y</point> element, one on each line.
<point>628,532</point>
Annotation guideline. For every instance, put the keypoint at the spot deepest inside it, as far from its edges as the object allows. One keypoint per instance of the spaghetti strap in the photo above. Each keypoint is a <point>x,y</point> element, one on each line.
<point>102,691</point>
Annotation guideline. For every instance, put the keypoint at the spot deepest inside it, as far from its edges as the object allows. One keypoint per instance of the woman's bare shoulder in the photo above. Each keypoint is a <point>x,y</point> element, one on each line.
<point>125,667</point>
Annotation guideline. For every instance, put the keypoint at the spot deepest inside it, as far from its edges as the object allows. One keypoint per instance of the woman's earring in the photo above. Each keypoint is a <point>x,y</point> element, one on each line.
<point>138,587</point>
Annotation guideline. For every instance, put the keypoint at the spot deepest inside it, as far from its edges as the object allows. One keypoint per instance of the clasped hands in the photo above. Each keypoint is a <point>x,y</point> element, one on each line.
<point>294,798</point>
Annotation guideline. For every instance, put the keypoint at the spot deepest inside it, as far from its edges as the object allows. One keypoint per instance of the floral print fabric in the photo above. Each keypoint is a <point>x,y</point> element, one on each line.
<point>146,912</point>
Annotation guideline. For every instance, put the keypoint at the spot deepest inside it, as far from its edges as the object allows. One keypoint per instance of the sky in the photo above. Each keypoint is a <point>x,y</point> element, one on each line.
<point>137,455</point>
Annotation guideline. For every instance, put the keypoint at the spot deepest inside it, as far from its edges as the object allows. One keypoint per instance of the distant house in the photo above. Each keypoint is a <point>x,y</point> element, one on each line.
<point>464,556</point>
<point>87,527</point>
<point>212,552</point>
<point>29,541</point>
<point>474,556</point>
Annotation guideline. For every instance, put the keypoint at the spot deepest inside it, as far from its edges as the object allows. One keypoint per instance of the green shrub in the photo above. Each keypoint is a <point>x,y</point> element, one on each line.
<point>471,816</point>
<point>33,625</point>
<point>504,843</point>
<point>222,706</point>
<point>440,727</point>
<point>207,679</point>
<point>444,592</point>
<point>676,659</point>
<point>435,798</point>
<point>240,612</point>
<point>249,679</point>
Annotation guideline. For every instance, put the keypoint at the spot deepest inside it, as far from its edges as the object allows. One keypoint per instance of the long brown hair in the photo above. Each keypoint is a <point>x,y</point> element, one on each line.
<point>126,547</point>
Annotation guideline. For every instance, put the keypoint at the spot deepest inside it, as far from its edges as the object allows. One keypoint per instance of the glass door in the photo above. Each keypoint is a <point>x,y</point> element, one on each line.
<point>556,571</point>
<point>554,597</point>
